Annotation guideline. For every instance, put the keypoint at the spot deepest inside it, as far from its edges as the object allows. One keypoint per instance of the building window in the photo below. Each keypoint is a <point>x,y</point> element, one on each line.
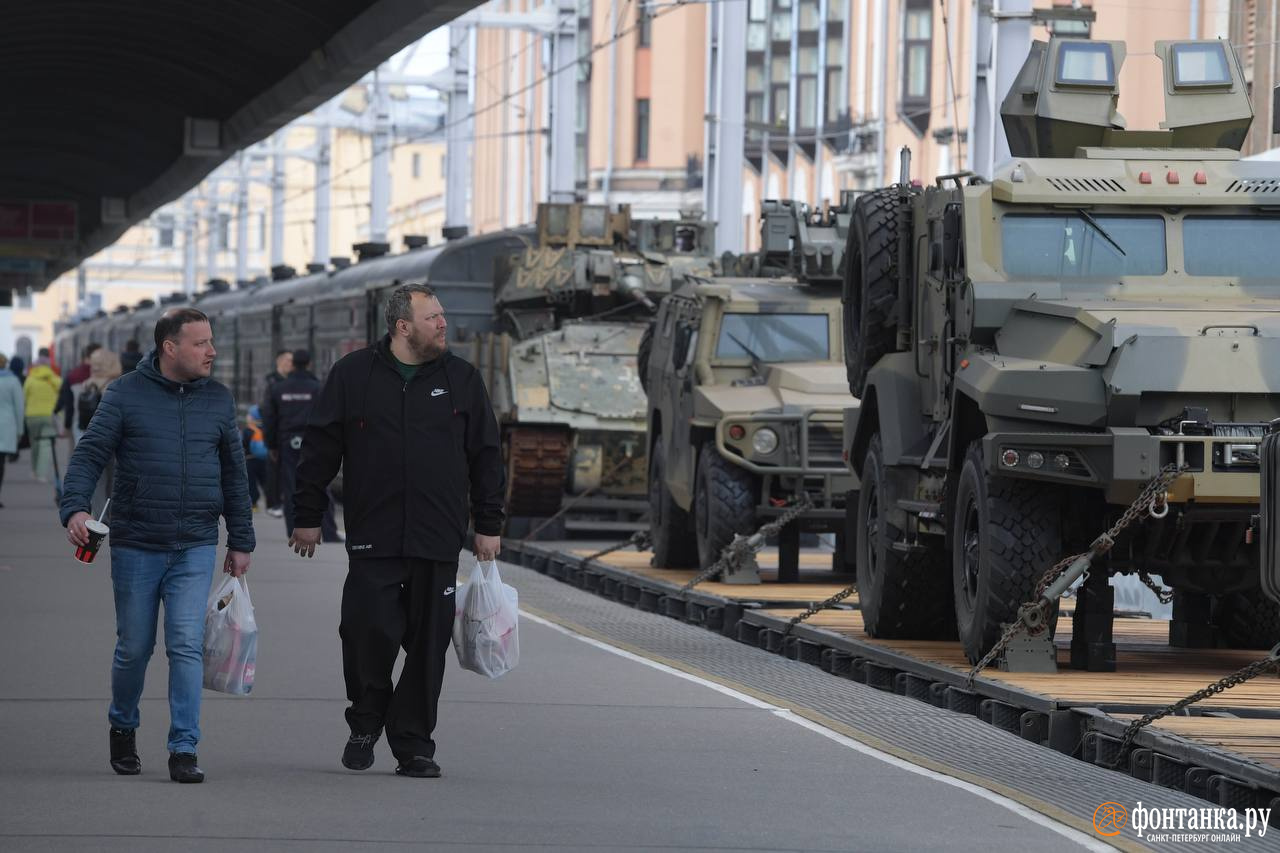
<point>164,231</point>
<point>644,26</point>
<point>642,129</point>
<point>416,165</point>
<point>224,231</point>
<point>917,51</point>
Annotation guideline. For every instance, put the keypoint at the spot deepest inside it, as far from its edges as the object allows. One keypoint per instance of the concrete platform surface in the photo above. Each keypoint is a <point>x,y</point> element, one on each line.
<point>577,749</point>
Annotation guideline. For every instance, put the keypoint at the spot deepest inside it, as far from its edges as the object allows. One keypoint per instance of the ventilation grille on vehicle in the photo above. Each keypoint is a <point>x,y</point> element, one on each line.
<point>1255,185</point>
<point>1086,185</point>
<point>825,449</point>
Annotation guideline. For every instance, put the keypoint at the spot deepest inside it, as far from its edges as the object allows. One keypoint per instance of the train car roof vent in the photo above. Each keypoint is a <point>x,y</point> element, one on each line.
<point>176,296</point>
<point>315,268</point>
<point>454,232</point>
<point>217,285</point>
<point>145,303</point>
<point>365,251</point>
<point>280,272</point>
<point>340,262</point>
<point>416,241</point>
<point>121,309</point>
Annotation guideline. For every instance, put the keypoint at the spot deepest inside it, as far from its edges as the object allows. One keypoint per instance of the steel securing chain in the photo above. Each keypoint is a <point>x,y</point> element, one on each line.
<point>1240,676</point>
<point>1164,594</point>
<point>640,539</point>
<point>818,608</point>
<point>740,546</point>
<point>1150,496</point>
<point>571,504</point>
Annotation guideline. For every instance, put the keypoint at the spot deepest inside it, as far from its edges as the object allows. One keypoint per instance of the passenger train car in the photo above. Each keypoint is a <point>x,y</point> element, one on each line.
<point>330,312</point>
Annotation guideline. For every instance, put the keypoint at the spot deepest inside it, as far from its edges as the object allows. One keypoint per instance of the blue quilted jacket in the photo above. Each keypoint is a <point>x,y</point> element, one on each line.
<point>179,463</point>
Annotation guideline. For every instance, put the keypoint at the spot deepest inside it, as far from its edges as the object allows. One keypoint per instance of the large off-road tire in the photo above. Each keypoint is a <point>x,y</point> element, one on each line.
<point>670,526</point>
<point>1248,621</point>
<point>724,503</point>
<point>870,285</point>
<point>1005,535</point>
<point>642,357</point>
<point>902,595</point>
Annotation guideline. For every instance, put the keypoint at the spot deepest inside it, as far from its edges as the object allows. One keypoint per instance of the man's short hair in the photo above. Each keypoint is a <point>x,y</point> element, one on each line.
<point>281,352</point>
<point>301,359</point>
<point>131,345</point>
<point>91,349</point>
<point>169,327</point>
<point>400,305</point>
<point>43,352</point>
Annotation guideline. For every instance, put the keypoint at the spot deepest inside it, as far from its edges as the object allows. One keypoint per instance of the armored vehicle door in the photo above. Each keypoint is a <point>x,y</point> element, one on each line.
<point>938,259</point>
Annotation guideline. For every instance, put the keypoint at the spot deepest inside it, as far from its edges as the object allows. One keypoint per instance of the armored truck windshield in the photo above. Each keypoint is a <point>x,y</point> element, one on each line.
<point>1232,246</point>
<point>773,338</point>
<point>1080,245</point>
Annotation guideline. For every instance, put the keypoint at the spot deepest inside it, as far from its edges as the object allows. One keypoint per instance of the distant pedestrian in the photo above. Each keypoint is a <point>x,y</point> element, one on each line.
<point>284,366</point>
<point>172,432</point>
<point>70,392</point>
<point>104,368</point>
<point>41,396</point>
<point>131,356</point>
<point>18,367</point>
<point>12,406</point>
<point>255,455</point>
<point>413,425</point>
<point>284,421</point>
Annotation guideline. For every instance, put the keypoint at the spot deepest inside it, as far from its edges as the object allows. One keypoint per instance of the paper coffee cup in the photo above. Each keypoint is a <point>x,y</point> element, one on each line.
<point>97,534</point>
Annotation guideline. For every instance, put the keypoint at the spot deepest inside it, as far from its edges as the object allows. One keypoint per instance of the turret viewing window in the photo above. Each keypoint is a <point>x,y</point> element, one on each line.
<point>1200,65</point>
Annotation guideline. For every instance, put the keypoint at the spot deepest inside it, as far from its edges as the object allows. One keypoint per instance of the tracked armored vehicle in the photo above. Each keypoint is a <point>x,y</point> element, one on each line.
<point>1033,351</point>
<point>746,394</point>
<point>571,308</point>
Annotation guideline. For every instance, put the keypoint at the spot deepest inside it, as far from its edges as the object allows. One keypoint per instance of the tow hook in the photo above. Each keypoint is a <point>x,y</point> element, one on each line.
<point>1159,505</point>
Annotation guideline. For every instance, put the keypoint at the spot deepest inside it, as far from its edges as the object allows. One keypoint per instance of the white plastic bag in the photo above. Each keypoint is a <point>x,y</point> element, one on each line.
<point>486,626</point>
<point>230,638</point>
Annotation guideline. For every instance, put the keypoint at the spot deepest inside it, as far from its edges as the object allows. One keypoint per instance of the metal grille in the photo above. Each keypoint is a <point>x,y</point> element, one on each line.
<point>1086,185</point>
<point>825,450</point>
<point>1255,185</point>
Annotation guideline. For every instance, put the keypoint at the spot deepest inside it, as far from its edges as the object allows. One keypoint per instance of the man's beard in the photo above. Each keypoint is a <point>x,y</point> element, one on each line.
<point>426,348</point>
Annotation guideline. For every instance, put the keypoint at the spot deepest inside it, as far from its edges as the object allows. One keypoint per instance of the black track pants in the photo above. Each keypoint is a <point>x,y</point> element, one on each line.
<point>388,604</point>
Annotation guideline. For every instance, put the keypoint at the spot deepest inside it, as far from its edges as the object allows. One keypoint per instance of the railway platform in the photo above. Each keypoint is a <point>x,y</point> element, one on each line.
<point>620,730</point>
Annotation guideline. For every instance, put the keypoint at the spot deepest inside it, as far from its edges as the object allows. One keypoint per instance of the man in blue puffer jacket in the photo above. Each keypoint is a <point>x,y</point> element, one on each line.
<point>179,466</point>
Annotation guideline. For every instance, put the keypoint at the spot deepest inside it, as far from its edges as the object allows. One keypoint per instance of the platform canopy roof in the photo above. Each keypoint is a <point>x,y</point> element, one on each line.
<point>116,108</point>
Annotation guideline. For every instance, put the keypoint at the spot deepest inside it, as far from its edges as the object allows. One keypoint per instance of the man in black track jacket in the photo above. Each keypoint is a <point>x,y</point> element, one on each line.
<point>412,425</point>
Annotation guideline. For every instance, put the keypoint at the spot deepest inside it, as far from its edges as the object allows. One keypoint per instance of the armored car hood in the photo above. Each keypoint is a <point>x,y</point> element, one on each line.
<point>791,385</point>
<point>1075,361</point>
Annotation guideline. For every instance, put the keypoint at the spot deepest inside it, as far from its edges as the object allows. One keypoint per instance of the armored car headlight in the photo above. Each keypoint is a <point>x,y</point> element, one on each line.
<point>764,441</point>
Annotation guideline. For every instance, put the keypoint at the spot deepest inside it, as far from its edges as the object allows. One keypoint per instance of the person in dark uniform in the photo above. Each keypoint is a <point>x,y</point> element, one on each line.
<point>284,421</point>
<point>284,366</point>
<point>412,426</point>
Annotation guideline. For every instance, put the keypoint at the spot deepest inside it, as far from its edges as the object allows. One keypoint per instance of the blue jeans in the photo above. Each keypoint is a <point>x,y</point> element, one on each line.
<point>141,580</point>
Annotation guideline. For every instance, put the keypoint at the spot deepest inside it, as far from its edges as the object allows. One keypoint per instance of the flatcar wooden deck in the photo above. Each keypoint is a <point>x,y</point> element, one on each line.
<point>1228,751</point>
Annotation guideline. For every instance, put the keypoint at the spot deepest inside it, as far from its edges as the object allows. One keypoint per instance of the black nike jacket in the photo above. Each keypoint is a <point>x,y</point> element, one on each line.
<point>418,456</point>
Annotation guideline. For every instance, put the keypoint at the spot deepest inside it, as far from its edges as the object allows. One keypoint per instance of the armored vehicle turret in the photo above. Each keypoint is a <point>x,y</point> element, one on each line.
<point>572,307</point>
<point>1032,351</point>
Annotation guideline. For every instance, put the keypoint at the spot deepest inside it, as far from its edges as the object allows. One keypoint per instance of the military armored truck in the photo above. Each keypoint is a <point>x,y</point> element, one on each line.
<point>1030,352</point>
<point>571,307</point>
<point>746,393</point>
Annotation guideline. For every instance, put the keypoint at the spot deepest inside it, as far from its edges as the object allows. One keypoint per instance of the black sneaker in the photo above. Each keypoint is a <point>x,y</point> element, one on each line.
<point>124,753</point>
<point>182,768</point>
<point>419,767</point>
<point>358,754</point>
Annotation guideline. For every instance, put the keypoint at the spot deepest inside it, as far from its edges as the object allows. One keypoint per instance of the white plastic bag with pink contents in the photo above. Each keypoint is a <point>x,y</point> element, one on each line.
<point>486,632</point>
<point>230,639</point>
